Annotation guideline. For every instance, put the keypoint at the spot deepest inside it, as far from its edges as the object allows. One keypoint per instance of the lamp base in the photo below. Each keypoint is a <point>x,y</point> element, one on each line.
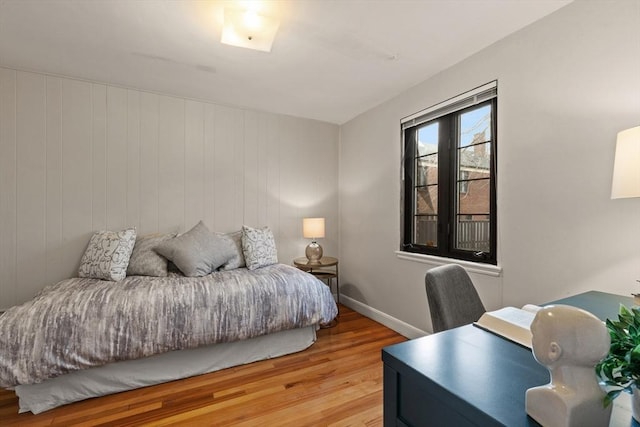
<point>313,253</point>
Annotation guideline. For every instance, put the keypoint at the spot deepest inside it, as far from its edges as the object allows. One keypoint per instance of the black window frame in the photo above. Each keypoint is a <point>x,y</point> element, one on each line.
<point>447,188</point>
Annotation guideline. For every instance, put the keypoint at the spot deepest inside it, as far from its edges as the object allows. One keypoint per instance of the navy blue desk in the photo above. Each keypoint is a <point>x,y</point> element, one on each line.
<point>469,377</point>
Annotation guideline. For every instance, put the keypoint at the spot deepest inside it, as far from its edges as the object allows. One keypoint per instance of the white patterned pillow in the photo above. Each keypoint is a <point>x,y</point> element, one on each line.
<point>258,247</point>
<point>107,255</point>
<point>144,260</point>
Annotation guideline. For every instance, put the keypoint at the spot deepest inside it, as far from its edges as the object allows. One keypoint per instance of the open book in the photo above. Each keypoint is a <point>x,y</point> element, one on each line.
<point>511,323</point>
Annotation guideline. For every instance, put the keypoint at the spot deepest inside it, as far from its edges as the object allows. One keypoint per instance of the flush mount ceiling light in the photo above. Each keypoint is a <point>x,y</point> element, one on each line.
<point>248,29</point>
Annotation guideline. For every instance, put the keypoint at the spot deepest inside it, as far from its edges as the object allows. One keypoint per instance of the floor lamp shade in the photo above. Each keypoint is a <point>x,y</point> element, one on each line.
<point>626,168</point>
<point>313,228</point>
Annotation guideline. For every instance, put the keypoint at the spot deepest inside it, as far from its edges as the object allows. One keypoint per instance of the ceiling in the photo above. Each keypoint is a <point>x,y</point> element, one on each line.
<point>331,60</point>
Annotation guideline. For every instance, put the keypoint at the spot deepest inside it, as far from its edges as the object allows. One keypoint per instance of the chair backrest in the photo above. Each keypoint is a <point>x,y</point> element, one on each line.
<point>453,300</point>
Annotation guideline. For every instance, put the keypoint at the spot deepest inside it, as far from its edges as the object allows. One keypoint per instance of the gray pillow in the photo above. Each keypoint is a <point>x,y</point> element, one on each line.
<point>258,247</point>
<point>197,252</point>
<point>144,260</point>
<point>237,260</point>
<point>107,255</point>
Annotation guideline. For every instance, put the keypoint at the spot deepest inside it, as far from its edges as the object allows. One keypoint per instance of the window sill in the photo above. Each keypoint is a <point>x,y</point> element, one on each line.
<point>472,267</point>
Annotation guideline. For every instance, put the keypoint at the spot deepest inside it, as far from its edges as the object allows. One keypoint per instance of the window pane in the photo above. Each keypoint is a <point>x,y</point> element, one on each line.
<point>474,162</point>
<point>475,126</point>
<point>426,228</point>
<point>427,200</point>
<point>428,139</point>
<point>452,152</point>
<point>473,233</point>
<point>427,170</point>
<point>476,199</point>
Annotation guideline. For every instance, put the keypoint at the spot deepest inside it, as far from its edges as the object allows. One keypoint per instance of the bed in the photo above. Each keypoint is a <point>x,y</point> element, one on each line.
<point>85,337</point>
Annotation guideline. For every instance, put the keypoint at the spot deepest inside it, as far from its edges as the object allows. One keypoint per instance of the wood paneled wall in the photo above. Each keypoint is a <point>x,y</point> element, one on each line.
<point>77,156</point>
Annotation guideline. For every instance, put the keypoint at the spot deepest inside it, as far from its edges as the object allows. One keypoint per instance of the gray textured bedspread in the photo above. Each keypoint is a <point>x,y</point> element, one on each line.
<point>81,323</point>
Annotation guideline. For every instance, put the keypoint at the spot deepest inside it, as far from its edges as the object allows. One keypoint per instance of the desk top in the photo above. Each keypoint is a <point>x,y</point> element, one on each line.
<point>601,304</point>
<point>486,376</point>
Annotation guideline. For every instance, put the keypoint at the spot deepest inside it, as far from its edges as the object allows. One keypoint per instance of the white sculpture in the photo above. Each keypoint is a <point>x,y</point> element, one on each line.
<point>569,342</point>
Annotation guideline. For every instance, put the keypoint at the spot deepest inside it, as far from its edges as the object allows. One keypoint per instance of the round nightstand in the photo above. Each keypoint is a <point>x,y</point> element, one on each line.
<point>326,270</point>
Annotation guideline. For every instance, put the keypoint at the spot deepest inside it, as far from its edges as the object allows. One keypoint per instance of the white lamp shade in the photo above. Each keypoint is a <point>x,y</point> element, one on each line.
<point>626,169</point>
<point>313,228</point>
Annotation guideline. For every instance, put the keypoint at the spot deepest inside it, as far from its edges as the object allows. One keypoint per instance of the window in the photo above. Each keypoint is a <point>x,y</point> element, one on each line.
<point>449,178</point>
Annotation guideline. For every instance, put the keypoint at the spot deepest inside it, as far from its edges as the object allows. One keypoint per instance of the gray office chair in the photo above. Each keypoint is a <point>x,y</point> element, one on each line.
<point>453,300</point>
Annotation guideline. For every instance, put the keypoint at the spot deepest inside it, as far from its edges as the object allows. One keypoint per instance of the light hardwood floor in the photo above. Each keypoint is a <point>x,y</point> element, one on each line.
<point>336,382</point>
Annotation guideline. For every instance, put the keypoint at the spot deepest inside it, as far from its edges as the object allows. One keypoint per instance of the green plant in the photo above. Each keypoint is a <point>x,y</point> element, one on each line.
<point>620,369</point>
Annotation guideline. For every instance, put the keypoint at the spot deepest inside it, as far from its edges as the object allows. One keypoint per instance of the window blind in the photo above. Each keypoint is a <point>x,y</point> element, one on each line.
<point>467,99</point>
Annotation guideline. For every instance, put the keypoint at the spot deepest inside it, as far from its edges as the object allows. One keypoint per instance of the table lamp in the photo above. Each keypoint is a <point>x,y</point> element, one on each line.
<point>313,228</point>
<point>626,168</point>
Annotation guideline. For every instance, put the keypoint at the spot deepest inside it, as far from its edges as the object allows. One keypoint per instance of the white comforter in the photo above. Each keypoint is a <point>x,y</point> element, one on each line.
<point>82,323</point>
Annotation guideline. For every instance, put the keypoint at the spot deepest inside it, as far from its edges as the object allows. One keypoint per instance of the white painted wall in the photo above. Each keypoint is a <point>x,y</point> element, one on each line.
<point>77,156</point>
<point>567,84</point>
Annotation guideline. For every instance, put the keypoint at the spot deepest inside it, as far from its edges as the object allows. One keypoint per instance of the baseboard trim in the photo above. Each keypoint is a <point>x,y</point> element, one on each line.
<point>390,322</point>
